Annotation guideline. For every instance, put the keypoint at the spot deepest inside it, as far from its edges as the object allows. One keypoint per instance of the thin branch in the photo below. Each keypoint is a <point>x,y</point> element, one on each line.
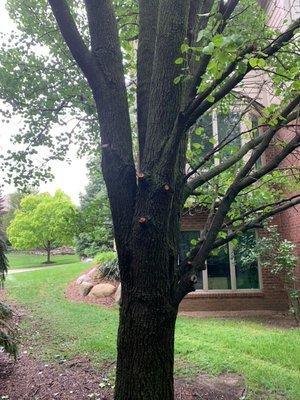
<point>148,14</point>
<point>199,108</point>
<point>283,206</point>
<point>73,39</point>
<point>211,173</point>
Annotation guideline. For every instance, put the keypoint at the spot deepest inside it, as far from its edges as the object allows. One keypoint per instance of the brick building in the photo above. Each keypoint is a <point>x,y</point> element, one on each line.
<point>225,285</point>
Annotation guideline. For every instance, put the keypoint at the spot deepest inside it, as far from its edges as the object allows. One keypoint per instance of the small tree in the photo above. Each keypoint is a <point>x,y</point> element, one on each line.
<point>14,201</point>
<point>43,221</point>
<point>3,259</point>
<point>95,231</point>
<point>278,255</point>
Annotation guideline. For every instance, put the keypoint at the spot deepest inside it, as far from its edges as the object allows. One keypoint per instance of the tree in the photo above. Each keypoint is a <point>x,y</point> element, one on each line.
<point>43,221</point>
<point>192,58</point>
<point>95,231</point>
<point>3,259</point>
<point>14,204</point>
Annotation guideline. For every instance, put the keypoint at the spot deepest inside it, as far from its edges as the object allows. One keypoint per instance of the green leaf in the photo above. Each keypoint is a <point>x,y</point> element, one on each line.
<point>184,48</point>
<point>198,146</point>
<point>253,61</point>
<point>210,98</point>
<point>213,140</point>
<point>199,131</point>
<point>179,61</point>
<point>178,79</point>
<point>218,40</point>
<point>209,49</point>
<point>296,85</point>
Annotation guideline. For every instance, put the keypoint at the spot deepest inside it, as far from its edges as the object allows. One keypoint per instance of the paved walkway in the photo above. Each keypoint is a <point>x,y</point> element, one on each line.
<point>17,271</point>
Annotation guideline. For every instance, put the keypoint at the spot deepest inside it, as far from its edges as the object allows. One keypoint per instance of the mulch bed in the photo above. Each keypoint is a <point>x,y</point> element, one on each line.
<point>29,379</point>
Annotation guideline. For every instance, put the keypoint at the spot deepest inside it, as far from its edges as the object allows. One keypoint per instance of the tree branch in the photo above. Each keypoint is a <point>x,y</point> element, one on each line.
<point>218,169</point>
<point>165,96</point>
<point>226,11</point>
<point>188,279</point>
<point>73,39</point>
<point>199,108</point>
<point>281,206</point>
<point>148,13</point>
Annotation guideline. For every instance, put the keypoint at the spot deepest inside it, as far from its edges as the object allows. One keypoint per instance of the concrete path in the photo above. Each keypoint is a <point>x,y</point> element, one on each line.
<point>18,271</point>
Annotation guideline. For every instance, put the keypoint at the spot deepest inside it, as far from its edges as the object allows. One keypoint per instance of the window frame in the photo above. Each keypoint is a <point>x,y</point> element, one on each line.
<point>233,279</point>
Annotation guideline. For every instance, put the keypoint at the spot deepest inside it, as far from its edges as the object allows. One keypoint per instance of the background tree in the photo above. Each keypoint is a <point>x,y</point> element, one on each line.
<point>14,202</point>
<point>95,231</point>
<point>3,259</point>
<point>193,59</point>
<point>43,221</point>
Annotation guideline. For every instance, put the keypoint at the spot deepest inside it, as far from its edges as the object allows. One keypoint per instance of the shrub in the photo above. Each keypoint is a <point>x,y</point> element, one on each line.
<point>8,339</point>
<point>105,256</point>
<point>110,270</point>
<point>86,246</point>
<point>108,265</point>
<point>279,257</point>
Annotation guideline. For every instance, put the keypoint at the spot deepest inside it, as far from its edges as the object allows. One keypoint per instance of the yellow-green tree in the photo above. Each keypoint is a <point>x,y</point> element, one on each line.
<point>43,221</point>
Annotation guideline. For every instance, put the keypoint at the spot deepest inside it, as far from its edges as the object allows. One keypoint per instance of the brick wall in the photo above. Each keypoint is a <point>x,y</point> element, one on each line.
<point>271,297</point>
<point>288,222</point>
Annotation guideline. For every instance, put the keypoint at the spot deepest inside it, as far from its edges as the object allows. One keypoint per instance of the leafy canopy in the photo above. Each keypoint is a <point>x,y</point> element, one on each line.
<point>42,220</point>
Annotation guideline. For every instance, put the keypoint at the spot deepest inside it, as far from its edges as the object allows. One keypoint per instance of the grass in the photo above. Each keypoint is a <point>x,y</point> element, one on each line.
<point>268,358</point>
<point>20,260</point>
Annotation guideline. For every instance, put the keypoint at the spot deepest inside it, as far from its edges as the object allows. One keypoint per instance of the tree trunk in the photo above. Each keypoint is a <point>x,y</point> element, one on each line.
<point>145,349</point>
<point>48,253</point>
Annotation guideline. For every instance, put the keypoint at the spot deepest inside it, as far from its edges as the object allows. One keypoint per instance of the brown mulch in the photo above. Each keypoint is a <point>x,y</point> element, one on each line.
<point>29,379</point>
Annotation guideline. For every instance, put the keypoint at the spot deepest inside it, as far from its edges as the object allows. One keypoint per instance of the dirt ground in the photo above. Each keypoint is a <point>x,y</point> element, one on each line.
<point>29,379</point>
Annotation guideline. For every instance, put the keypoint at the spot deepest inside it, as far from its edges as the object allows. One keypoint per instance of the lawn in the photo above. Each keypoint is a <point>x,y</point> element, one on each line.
<point>20,260</point>
<point>268,358</point>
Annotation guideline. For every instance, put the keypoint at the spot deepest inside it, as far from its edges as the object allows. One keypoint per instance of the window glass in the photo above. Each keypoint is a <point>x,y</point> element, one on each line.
<point>184,247</point>
<point>204,122</point>
<point>218,270</point>
<point>229,128</point>
<point>246,275</point>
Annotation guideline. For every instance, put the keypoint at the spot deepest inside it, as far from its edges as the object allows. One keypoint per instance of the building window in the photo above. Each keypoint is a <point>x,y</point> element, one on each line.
<point>225,128</point>
<point>225,270</point>
<point>218,270</point>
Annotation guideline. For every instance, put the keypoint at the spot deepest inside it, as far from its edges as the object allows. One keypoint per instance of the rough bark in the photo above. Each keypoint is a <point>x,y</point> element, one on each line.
<point>145,348</point>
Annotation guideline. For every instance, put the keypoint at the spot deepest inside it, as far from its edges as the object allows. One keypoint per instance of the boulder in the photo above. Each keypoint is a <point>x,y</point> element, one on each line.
<point>95,274</point>
<point>102,290</point>
<point>85,288</point>
<point>92,272</point>
<point>118,294</point>
<point>84,278</point>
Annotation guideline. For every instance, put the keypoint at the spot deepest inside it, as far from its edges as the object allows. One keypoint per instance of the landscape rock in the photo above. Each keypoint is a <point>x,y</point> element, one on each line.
<point>84,278</point>
<point>118,294</point>
<point>92,272</point>
<point>102,290</point>
<point>85,288</point>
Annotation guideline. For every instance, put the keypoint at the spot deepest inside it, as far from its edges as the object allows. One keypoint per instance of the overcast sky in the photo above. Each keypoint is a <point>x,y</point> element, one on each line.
<point>71,178</point>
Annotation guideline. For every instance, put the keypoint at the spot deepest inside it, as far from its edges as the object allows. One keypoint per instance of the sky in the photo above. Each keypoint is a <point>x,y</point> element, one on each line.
<point>71,178</point>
